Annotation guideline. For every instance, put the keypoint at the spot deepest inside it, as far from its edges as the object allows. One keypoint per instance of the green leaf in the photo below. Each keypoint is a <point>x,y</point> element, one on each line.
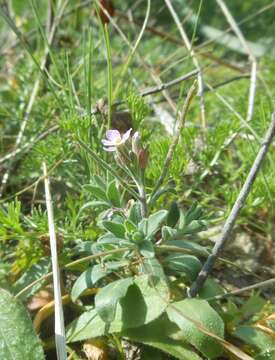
<point>17,338</point>
<point>195,226</point>
<point>108,297</point>
<point>185,313</point>
<point>158,335</point>
<point>190,246</point>
<point>130,226</point>
<point>135,213</point>
<point>181,263</point>
<point>145,301</point>
<point>88,279</point>
<point>113,194</point>
<point>194,213</point>
<point>211,288</point>
<point>97,192</point>
<point>152,267</point>
<point>268,354</point>
<point>151,225</point>
<point>82,283</point>
<point>168,233</point>
<point>254,337</point>
<point>146,249</point>
<point>35,272</point>
<point>173,214</point>
<point>115,228</point>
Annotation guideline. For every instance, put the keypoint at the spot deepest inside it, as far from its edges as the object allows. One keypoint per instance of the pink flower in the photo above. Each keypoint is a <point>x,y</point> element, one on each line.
<point>114,139</point>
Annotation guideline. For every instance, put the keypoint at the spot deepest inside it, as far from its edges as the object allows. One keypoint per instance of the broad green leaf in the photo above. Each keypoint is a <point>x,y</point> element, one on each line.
<point>82,283</point>
<point>158,335</point>
<point>88,279</point>
<point>173,214</point>
<point>151,225</point>
<point>113,194</point>
<point>152,267</point>
<point>181,263</point>
<point>115,228</point>
<point>146,249</point>
<point>185,313</point>
<point>108,297</point>
<point>145,301</point>
<point>35,272</point>
<point>18,340</point>
<point>254,337</point>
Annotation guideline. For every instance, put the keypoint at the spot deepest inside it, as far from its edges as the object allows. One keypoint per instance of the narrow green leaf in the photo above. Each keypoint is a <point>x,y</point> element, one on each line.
<point>173,214</point>
<point>97,192</point>
<point>190,246</point>
<point>113,194</point>
<point>135,213</point>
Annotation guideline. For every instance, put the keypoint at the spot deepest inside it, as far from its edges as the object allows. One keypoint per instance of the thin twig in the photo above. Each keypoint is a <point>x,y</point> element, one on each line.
<point>244,289</point>
<point>229,224</point>
<point>194,59</point>
<point>59,329</point>
<point>167,85</point>
<point>175,139</point>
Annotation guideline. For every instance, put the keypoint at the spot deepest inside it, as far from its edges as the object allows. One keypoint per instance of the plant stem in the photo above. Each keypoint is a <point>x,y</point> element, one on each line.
<point>72,264</point>
<point>175,139</point>
<point>229,224</point>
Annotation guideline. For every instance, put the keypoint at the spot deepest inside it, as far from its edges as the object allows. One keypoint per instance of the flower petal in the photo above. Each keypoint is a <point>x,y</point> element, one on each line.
<point>126,136</point>
<point>107,142</point>
<point>111,148</point>
<point>113,135</point>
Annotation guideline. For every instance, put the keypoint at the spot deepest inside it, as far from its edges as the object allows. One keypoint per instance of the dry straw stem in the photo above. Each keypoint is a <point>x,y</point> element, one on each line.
<point>252,59</point>
<point>194,59</point>
<point>176,137</point>
<point>229,224</point>
<point>60,339</point>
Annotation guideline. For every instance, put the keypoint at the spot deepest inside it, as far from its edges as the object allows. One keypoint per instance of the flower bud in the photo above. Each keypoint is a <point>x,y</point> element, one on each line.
<point>143,157</point>
<point>136,143</point>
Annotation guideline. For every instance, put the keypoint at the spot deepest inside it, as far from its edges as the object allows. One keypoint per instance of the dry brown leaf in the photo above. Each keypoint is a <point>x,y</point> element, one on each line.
<point>95,350</point>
